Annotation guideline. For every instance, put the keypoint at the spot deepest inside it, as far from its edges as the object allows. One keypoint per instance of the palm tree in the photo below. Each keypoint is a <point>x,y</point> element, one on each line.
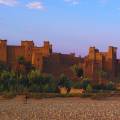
<point>64,81</point>
<point>77,71</point>
<point>28,67</point>
<point>20,68</point>
<point>21,60</point>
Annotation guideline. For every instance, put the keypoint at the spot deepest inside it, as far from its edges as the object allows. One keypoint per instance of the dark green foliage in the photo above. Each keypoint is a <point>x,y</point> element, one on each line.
<point>85,83</point>
<point>77,85</point>
<point>21,60</point>
<point>110,86</point>
<point>89,88</point>
<point>33,82</point>
<point>27,79</point>
<point>64,81</point>
<point>77,70</point>
<point>41,83</point>
<point>3,66</point>
<point>99,87</point>
<point>24,66</point>
<point>28,67</point>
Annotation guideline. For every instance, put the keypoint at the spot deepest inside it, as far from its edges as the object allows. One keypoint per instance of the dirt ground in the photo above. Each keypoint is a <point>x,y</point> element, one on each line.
<point>60,109</point>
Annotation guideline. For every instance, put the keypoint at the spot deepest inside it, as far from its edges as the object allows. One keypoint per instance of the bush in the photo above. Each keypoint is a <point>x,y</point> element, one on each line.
<point>89,88</point>
<point>110,86</point>
<point>85,83</point>
<point>99,87</point>
<point>77,85</point>
<point>64,81</point>
<point>41,83</point>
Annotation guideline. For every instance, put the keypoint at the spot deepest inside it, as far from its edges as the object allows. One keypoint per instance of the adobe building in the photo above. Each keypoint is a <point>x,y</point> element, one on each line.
<point>101,66</point>
<point>27,49</point>
<point>44,59</point>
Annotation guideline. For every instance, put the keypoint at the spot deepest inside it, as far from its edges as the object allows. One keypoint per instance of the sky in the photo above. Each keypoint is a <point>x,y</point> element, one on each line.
<point>70,25</point>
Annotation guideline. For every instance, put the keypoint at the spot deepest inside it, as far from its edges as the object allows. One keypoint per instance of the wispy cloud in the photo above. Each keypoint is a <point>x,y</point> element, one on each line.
<point>74,2</point>
<point>9,2</point>
<point>35,5</point>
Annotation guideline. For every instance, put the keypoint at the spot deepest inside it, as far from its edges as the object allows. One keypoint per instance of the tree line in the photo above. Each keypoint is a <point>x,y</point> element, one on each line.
<point>26,78</point>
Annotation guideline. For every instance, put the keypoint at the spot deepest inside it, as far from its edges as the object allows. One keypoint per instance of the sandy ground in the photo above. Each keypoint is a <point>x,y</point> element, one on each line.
<point>60,109</point>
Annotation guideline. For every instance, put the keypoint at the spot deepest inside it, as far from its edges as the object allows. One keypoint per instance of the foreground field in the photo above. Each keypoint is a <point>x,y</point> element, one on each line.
<point>60,109</point>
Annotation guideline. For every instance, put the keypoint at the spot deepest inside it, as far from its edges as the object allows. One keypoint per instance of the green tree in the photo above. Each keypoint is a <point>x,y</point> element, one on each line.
<point>34,81</point>
<point>21,60</point>
<point>20,65</point>
<point>41,83</point>
<point>5,80</point>
<point>77,70</point>
<point>24,66</point>
<point>50,84</point>
<point>64,81</point>
<point>85,83</point>
<point>28,67</point>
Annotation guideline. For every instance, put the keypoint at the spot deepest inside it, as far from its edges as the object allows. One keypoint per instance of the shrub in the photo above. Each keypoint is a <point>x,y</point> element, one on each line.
<point>85,83</point>
<point>64,81</point>
<point>89,88</point>
<point>77,85</point>
<point>99,87</point>
<point>110,86</point>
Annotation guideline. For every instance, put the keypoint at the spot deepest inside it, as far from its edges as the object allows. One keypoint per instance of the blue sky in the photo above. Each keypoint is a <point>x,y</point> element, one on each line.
<point>70,25</point>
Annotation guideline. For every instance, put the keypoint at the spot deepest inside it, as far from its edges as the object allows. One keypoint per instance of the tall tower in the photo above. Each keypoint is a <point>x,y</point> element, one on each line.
<point>112,53</point>
<point>112,61</point>
<point>47,48</point>
<point>3,51</point>
<point>28,45</point>
<point>92,53</point>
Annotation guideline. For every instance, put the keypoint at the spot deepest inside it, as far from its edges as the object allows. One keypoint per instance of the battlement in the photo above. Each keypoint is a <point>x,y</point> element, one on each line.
<point>112,52</point>
<point>47,44</point>
<point>112,49</point>
<point>3,42</point>
<point>93,50</point>
<point>95,54</point>
<point>47,47</point>
<point>27,43</point>
<point>3,50</point>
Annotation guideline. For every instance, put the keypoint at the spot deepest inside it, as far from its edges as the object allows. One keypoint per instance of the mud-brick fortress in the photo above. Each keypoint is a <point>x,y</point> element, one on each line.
<point>44,59</point>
